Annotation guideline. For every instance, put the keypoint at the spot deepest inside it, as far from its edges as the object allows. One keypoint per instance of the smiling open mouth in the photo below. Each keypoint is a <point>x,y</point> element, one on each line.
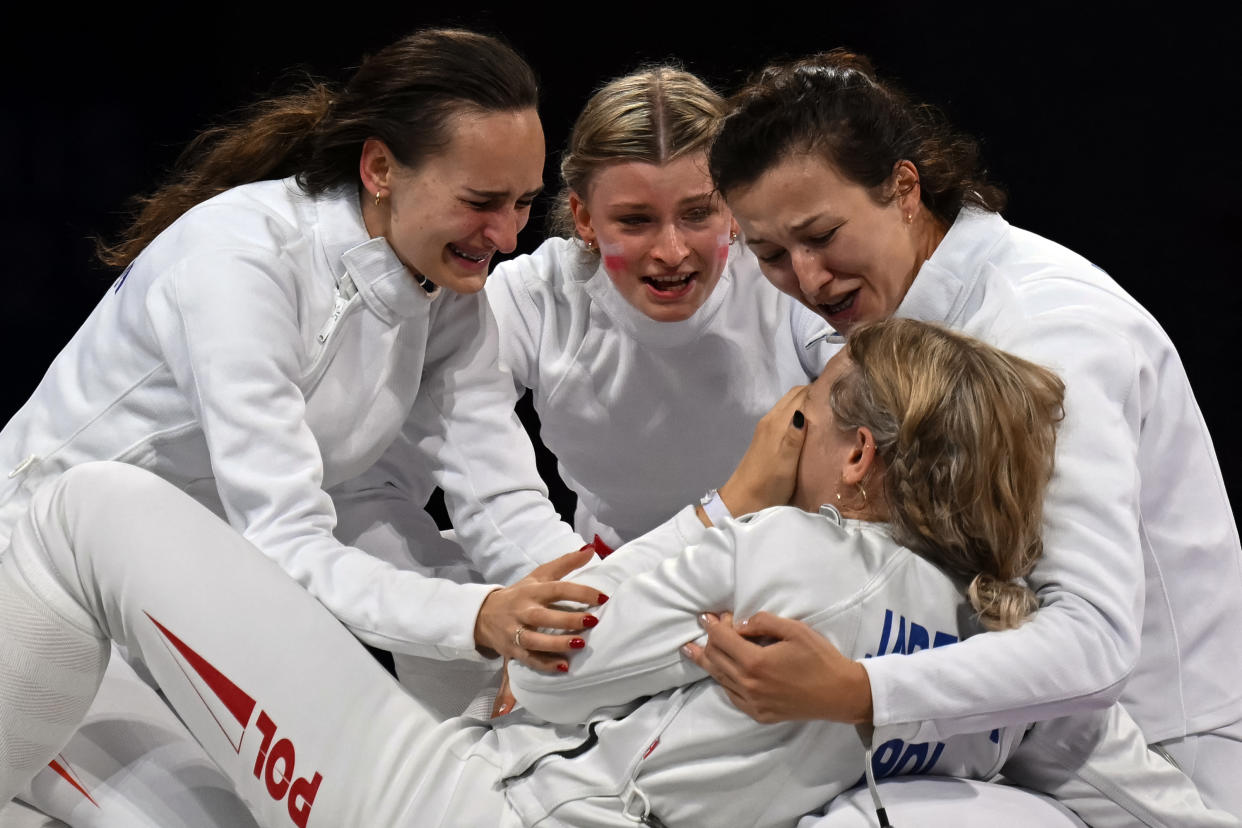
<point>832,309</point>
<point>670,285</point>
<point>457,251</point>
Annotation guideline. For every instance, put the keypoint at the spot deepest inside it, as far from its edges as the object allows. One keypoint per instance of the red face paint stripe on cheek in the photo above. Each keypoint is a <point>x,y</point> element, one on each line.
<point>238,702</point>
<point>68,777</point>
<point>614,263</point>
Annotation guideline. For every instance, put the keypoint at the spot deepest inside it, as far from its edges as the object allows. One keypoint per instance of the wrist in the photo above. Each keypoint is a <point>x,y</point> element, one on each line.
<point>736,501</point>
<point>858,691</point>
<point>482,641</point>
<point>713,509</point>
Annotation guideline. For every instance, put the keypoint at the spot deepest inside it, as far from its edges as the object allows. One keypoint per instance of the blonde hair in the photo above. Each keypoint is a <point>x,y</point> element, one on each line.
<point>657,115</point>
<point>967,434</point>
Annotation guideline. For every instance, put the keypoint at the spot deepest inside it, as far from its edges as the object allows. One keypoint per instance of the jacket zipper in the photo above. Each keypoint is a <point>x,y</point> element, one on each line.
<point>346,298</point>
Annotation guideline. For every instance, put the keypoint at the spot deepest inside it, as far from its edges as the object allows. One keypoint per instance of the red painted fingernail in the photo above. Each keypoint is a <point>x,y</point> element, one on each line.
<point>603,599</point>
<point>589,621</point>
<point>576,643</point>
<point>562,667</point>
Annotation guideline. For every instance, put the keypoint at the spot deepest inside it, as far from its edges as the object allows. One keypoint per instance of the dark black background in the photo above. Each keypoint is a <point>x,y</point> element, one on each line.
<point>1115,130</point>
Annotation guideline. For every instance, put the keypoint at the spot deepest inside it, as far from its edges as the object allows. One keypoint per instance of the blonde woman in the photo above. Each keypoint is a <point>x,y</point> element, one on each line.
<point>651,341</point>
<point>312,732</point>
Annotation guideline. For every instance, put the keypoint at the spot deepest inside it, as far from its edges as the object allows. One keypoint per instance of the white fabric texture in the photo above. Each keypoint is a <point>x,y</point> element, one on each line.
<point>939,802</point>
<point>646,416</point>
<point>133,765</point>
<point>312,732</point>
<point>263,350</point>
<point>298,716</point>
<point>1137,521</point>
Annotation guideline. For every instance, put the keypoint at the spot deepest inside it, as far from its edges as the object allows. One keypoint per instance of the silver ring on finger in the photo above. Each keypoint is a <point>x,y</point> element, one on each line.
<point>517,636</point>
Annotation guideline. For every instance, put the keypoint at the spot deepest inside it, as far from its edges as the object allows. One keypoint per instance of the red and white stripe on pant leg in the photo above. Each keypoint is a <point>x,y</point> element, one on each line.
<point>49,672</point>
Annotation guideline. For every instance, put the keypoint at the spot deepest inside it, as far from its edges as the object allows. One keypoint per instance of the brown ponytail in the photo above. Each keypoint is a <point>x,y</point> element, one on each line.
<point>405,95</point>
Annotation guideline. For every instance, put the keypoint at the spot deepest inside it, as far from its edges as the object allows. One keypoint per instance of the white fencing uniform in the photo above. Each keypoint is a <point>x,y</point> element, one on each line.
<point>646,416</point>
<point>1137,522</point>
<point>263,353</point>
<point>263,350</point>
<point>313,733</point>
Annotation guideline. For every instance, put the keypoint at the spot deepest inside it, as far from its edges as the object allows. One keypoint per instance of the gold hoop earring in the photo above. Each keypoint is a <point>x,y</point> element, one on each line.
<point>377,198</point>
<point>862,492</point>
<point>732,236</point>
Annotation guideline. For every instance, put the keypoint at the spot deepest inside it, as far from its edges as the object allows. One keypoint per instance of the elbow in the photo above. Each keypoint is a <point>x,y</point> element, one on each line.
<point>1109,658</point>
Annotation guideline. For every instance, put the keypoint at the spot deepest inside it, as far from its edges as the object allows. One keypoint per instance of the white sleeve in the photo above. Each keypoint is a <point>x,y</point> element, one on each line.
<point>519,321</point>
<point>1099,765</point>
<point>463,423</point>
<point>226,324</point>
<point>657,590</point>
<point>1080,647</point>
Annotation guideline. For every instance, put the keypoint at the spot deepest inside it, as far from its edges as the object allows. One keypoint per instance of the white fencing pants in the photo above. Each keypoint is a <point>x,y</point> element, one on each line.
<point>307,727</point>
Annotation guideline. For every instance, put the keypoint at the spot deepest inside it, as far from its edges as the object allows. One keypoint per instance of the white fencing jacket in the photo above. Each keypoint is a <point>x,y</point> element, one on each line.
<point>645,416</point>
<point>685,755</point>
<point>1141,578</point>
<point>263,350</point>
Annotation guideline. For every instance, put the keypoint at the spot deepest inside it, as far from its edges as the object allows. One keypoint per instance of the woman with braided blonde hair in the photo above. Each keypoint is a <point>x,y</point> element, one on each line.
<point>632,732</point>
<point>964,476</point>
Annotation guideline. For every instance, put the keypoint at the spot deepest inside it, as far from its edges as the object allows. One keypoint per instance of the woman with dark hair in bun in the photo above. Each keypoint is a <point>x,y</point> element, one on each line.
<point>864,205</point>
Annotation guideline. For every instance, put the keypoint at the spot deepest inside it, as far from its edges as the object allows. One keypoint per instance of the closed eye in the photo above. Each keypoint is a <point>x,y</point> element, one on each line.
<point>823,238</point>
<point>699,214</point>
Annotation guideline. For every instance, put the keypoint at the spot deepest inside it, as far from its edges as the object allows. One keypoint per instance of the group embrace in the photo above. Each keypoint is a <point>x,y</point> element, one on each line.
<point>871,485</point>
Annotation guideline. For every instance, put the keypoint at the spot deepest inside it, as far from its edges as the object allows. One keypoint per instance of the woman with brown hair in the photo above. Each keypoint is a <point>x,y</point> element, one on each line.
<point>632,733</point>
<point>301,298</point>
<point>865,205</point>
